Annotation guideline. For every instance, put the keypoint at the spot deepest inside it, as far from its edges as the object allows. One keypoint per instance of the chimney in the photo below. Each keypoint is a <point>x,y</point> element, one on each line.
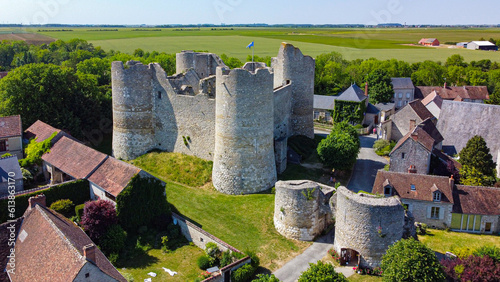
<point>38,199</point>
<point>445,84</point>
<point>412,169</point>
<point>452,182</point>
<point>89,252</point>
<point>413,124</point>
<point>366,89</point>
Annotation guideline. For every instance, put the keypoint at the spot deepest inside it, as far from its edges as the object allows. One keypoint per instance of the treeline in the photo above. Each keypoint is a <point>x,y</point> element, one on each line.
<point>335,74</point>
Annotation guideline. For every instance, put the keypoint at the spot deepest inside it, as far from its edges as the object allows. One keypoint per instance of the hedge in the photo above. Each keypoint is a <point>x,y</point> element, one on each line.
<point>77,191</point>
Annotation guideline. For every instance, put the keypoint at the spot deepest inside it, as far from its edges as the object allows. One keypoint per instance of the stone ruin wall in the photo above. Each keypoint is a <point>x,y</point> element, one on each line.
<point>357,219</point>
<point>296,216</point>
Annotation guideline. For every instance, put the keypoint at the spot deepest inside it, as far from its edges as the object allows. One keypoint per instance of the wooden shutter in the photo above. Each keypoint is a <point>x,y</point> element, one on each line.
<point>429,212</point>
<point>441,212</point>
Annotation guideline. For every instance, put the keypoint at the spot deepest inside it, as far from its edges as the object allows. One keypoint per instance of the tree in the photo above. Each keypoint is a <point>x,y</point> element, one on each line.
<point>321,272</point>
<point>428,73</point>
<point>478,167</point>
<point>379,86</point>
<point>114,240</point>
<point>410,260</point>
<point>456,60</point>
<point>97,217</point>
<point>341,147</point>
<point>266,278</point>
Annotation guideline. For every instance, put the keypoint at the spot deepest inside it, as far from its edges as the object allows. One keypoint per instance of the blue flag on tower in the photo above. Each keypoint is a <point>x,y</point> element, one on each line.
<point>250,45</point>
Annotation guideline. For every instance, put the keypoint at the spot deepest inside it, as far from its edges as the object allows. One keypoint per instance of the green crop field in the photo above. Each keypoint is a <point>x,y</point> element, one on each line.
<point>351,43</point>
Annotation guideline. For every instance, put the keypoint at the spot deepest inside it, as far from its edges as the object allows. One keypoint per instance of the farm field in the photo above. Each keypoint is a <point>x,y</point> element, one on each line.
<point>351,43</point>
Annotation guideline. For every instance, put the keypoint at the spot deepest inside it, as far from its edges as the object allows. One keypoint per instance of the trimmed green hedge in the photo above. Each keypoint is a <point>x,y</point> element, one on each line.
<point>77,191</point>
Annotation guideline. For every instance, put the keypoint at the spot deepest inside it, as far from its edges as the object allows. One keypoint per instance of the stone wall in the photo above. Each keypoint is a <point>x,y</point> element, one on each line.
<point>414,154</point>
<point>244,142</point>
<point>421,210</point>
<point>301,209</point>
<point>401,122</point>
<point>290,66</point>
<point>367,224</point>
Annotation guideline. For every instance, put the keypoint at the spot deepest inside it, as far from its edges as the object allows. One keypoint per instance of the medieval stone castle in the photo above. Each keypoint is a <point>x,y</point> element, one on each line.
<point>240,118</point>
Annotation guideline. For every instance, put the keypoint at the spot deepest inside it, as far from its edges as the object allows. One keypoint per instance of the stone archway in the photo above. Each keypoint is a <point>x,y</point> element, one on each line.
<point>349,257</point>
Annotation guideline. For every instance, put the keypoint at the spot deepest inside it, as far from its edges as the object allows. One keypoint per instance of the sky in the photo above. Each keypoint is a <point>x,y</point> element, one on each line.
<point>156,12</point>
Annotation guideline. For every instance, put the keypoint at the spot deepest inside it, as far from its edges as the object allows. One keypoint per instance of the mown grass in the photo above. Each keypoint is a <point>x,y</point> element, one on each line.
<point>364,278</point>
<point>181,260</point>
<point>176,167</point>
<point>442,241</point>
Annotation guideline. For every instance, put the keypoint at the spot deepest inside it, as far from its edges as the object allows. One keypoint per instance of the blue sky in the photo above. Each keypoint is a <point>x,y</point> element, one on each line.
<point>250,11</point>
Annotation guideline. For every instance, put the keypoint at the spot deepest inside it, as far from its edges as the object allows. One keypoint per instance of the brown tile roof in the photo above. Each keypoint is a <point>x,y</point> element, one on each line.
<point>113,175</point>
<point>73,158</point>
<point>425,133</point>
<point>10,126</point>
<point>401,184</point>
<point>454,92</point>
<point>444,157</point>
<point>52,249</point>
<point>477,200</point>
<point>430,128</point>
<point>40,130</point>
<point>4,245</point>
<point>420,109</point>
<point>433,96</point>
<point>3,74</point>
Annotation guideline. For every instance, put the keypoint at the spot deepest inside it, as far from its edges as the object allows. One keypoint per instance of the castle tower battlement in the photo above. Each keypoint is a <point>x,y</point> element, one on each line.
<point>204,64</point>
<point>133,117</point>
<point>291,66</point>
<point>244,124</point>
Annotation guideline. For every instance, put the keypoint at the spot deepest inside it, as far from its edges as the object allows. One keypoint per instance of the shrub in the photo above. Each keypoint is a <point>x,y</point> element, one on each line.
<point>462,252</point>
<point>97,217</point>
<point>491,251</point>
<point>79,211</point>
<point>226,258</point>
<point>141,202</point>
<point>380,144</point>
<point>243,273</point>
<point>266,278</point>
<point>113,258</point>
<point>213,252</point>
<point>321,272</point>
<point>114,240</point>
<point>472,268</point>
<point>164,244</point>
<point>421,228</point>
<point>410,260</point>
<point>203,262</point>
<point>35,150</point>
<point>64,207</point>
<point>255,259</point>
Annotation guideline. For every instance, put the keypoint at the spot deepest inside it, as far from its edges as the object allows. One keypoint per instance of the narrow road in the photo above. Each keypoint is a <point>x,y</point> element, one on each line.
<point>366,166</point>
<point>292,270</point>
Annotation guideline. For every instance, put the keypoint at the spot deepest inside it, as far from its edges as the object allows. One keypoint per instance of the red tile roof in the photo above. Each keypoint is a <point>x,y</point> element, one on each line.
<point>40,130</point>
<point>73,158</point>
<point>4,245</point>
<point>454,92</point>
<point>401,184</point>
<point>10,126</point>
<point>420,109</point>
<point>425,133</point>
<point>433,96</point>
<point>113,175</point>
<point>52,249</point>
<point>477,200</point>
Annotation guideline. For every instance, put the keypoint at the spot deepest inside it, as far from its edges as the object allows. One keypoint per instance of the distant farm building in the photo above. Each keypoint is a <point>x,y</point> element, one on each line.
<point>482,45</point>
<point>462,44</point>
<point>429,42</point>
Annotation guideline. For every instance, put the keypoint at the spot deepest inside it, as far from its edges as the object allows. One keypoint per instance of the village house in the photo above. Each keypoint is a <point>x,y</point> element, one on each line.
<point>413,151</point>
<point>474,94</point>
<point>405,120</point>
<point>459,122</point>
<point>323,107</point>
<point>404,91</point>
<point>429,42</point>
<point>41,131</point>
<point>10,175</point>
<point>482,45</point>
<point>49,247</point>
<point>433,103</point>
<point>438,202</point>
<point>11,131</point>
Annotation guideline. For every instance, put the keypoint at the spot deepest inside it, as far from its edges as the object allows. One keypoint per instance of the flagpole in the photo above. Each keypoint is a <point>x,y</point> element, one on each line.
<point>253,47</point>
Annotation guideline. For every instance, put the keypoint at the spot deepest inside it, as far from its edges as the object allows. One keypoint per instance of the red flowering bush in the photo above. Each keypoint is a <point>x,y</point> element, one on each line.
<point>472,268</point>
<point>97,217</point>
<point>335,256</point>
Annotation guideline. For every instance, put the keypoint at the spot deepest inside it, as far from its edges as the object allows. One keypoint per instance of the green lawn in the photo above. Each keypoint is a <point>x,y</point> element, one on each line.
<point>442,241</point>
<point>182,260</point>
<point>359,277</point>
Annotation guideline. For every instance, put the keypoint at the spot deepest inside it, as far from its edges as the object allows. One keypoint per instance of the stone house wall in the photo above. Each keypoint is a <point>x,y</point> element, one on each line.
<point>421,210</point>
<point>410,153</point>
<point>401,122</point>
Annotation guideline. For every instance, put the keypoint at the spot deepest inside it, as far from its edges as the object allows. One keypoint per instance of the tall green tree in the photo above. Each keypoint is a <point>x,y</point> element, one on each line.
<point>379,86</point>
<point>478,167</point>
<point>428,73</point>
<point>341,147</point>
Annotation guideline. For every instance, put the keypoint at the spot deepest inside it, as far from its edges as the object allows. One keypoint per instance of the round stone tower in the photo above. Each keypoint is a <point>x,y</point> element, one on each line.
<point>301,209</point>
<point>133,127</point>
<point>244,123</point>
<point>365,226</point>
<point>291,66</point>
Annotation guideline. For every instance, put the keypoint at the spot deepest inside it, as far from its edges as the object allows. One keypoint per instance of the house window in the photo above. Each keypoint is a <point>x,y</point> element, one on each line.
<point>316,115</point>
<point>400,95</point>
<point>402,155</point>
<point>435,212</point>
<point>159,94</point>
<point>412,186</point>
<point>400,103</point>
<point>109,196</point>
<point>437,196</point>
<point>406,102</point>
<point>87,275</point>
<point>387,190</point>
<point>487,227</point>
<point>3,145</point>
<point>408,95</point>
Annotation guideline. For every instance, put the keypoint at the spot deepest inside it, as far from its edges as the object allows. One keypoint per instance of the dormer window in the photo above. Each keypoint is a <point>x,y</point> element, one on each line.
<point>412,187</point>
<point>388,190</point>
<point>437,196</point>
